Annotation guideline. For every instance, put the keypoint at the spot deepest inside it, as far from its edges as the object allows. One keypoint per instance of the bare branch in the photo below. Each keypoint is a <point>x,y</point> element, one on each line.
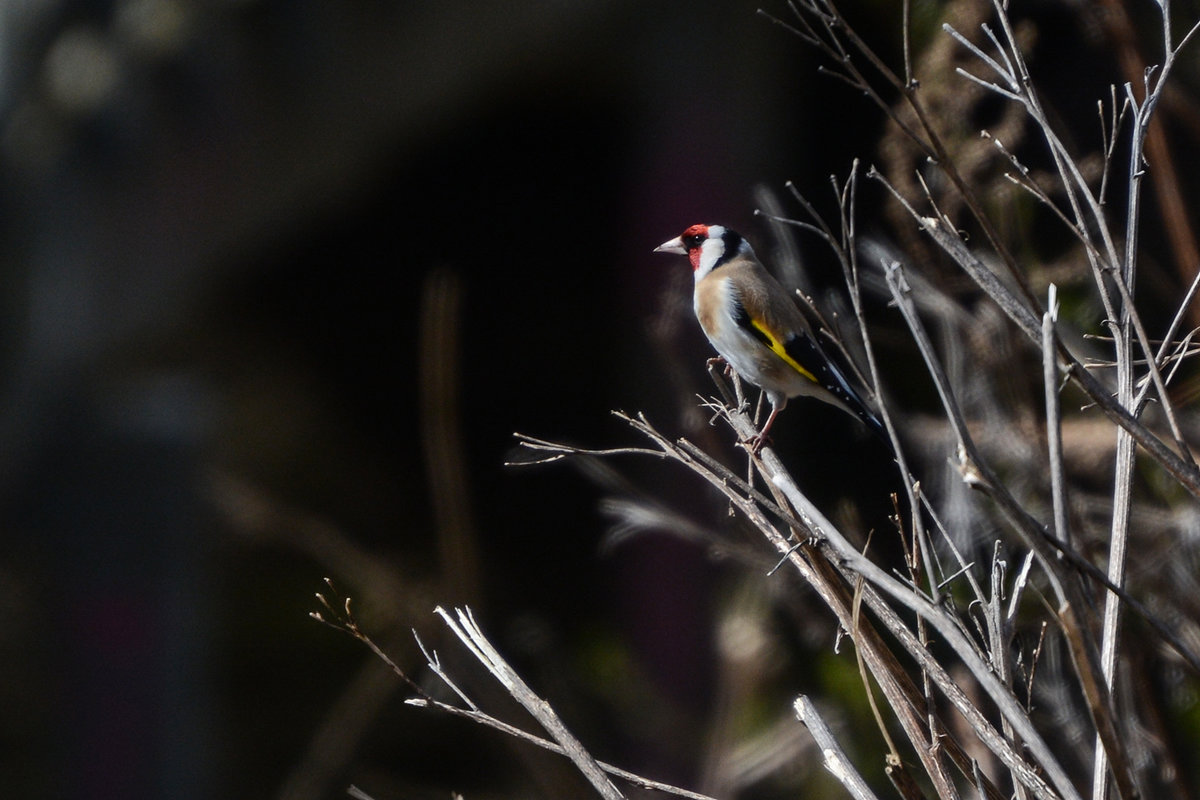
<point>463,625</point>
<point>1051,383</point>
<point>1187,474</point>
<point>1009,78</point>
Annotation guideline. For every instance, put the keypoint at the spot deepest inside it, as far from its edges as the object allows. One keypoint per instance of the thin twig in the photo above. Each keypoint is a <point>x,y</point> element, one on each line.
<point>831,752</point>
<point>1172,330</point>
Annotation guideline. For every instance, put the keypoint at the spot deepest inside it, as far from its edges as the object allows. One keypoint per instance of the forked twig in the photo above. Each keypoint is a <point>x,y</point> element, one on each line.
<point>340,617</point>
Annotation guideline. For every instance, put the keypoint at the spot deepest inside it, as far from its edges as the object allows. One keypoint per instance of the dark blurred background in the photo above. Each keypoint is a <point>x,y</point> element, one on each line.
<point>280,281</point>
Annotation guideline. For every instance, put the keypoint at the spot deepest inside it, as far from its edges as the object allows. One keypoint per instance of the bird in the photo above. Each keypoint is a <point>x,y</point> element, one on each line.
<point>756,327</point>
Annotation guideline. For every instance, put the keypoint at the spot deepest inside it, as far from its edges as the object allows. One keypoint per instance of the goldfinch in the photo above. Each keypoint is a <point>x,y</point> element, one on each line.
<point>756,327</point>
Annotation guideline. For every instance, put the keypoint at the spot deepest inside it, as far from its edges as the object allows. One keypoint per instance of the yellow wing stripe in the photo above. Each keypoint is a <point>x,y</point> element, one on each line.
<point>777,348</point>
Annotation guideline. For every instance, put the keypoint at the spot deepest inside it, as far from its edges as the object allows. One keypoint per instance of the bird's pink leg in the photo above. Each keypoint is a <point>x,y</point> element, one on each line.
<point>758,440</point>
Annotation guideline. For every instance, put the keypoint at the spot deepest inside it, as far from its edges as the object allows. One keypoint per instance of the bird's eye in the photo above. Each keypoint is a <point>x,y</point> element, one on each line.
<point>693,241</point>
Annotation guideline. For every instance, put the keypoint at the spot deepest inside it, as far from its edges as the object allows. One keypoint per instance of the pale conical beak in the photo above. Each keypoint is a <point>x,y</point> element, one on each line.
<point>673,246</point>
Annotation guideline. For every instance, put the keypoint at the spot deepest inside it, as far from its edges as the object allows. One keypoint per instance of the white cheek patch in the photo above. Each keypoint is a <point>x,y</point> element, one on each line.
<point>712,251</point>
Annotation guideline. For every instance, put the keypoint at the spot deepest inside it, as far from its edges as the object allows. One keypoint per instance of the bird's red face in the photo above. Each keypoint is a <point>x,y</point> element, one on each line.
<point>690,243</point>
<point>693,239</point>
